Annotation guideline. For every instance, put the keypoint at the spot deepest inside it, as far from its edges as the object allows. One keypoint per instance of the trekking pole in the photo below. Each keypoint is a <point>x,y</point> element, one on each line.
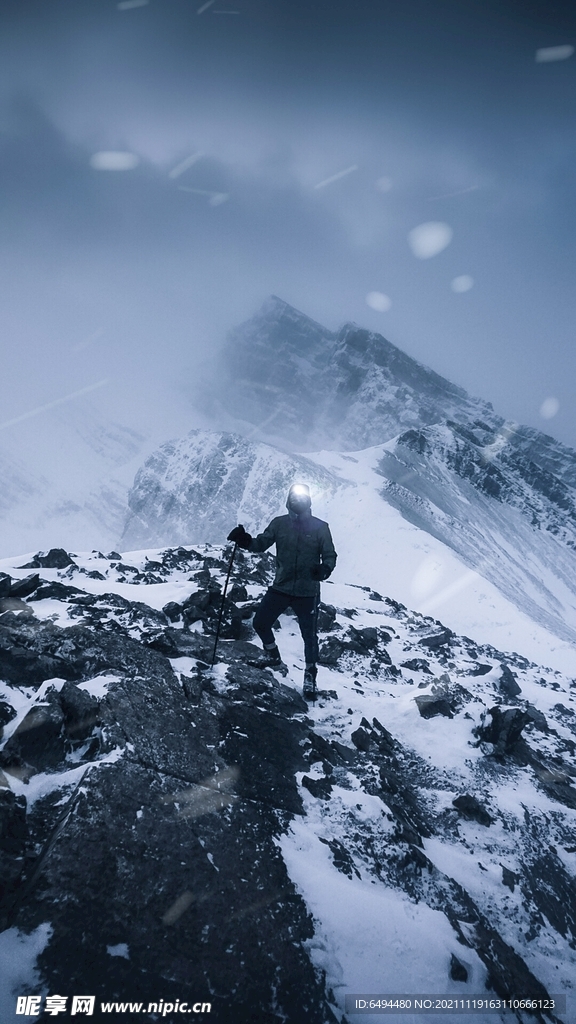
<point>316,607</point>
<point>222,606</point>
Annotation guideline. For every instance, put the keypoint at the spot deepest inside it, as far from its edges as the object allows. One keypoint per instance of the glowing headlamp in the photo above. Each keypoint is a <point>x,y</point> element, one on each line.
<point>300,490</point>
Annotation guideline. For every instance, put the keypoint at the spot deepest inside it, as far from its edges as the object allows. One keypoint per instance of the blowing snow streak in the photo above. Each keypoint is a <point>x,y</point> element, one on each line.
<point>52,405</point>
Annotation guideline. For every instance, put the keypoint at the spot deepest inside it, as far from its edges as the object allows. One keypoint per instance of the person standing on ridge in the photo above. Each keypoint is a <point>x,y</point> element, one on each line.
<point>305,555</point>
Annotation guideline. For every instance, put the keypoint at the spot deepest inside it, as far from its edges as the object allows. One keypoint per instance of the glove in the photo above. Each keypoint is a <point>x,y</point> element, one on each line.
<point>240,537</point>
<point>320,572</point>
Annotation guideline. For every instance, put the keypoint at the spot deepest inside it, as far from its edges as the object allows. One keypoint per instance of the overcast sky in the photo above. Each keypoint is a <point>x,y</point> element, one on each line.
<point>323,133</point>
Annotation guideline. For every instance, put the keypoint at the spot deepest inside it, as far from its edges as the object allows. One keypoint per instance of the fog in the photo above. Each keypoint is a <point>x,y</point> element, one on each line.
<point>316,138</point>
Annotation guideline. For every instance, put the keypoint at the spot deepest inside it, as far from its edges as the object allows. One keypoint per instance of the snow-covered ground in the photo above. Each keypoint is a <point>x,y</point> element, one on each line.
<point>370,936</point>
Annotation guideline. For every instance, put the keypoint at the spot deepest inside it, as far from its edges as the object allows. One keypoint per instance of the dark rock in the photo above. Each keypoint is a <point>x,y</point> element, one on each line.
<point>113,556</point>
<point>121,567</point>
<point>458,971</point>
<point>203,576</point>
<point>81,712</point>
<point>163,641</point>
<point>361,739</point>
<point>417,665</point>
<point>469,807</point>
<point>509,878</point>
<point>326,617</point>
<point>26,586</point>
<point>536,718</point>
<point>429,705</point>
<point>23,667</point>
<point>238,593</point>
<point>481,670</point>
<point>362,641</point>
<point>548,884</point>
<point>56,591</point>
<point>320,788</point>
<point>437,640</point>
<point>56,558</point>
<point>507,683</point>
<point>14,841</point>
<point>15,604</point>
<point>345,753</point>
<point>193,688</point>
<point>13,828</point>
<point>505,729</point>
<point>261,744</point>
<point>39,739</point>
<point>172,611</point>
<point>331,651</point>
<point>384,739</point>
<point>176,851</point>
<point>341,857</point>
<point>5,584</point>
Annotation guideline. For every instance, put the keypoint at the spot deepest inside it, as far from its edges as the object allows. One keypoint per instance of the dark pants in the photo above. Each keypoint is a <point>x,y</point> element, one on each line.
<point>273,604</point>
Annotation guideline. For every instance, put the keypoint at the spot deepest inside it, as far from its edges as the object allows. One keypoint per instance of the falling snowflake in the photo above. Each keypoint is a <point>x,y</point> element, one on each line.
<point>463,283</point>
<point>378,301</point>
<point>111,160</point>
<point>384,184</point>
<point>429,239</point>
<point>550,53</point>
<point>549,408</point>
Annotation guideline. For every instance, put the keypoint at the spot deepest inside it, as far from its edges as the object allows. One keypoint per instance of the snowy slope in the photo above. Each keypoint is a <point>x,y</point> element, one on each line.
<point>478,574</point>
<point>415,825</point>
<point>66,479</point>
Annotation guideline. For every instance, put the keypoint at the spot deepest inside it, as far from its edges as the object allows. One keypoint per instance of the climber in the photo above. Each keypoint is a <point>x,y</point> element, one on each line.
<point>305,555</point>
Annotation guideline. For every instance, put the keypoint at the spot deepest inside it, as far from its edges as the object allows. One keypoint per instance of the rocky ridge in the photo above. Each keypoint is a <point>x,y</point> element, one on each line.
<point>296,383</point>
<point>178,810</point>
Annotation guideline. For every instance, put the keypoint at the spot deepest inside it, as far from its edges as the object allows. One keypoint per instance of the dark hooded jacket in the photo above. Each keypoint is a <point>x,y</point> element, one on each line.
<point>302,541</point>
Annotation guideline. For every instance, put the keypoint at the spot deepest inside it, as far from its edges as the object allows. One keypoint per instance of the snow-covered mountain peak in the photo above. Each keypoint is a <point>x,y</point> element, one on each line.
<point>201,485</point>
<point>297,383</point>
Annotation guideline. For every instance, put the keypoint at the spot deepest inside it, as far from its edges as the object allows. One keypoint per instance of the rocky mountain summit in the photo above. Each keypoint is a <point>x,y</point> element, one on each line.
<point>175,832</point>
<point>295,383</point>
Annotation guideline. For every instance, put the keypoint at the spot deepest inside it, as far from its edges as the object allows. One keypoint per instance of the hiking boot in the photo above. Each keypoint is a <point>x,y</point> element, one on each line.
<point>273,657</point>
<point>309,690</point>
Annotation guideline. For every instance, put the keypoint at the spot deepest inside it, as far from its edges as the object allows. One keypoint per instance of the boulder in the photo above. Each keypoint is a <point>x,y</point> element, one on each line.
<point>429,705</point>
<point>505,729</point>
<point>362,739</point>
<point>39,739</point>
<point>507,683</point>
<point>55,590</point>
<point>5,584</point>
<point>56,558</point>
<point>469,807</point>
<point>437,640</point>
<point>320,788</point>
<point>458,971</point>
<point>172,611</point>
<point>25,587</point>
<point>417,665</point>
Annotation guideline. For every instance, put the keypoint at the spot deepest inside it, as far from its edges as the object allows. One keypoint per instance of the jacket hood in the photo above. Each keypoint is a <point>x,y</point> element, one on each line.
<point>298,501</point>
